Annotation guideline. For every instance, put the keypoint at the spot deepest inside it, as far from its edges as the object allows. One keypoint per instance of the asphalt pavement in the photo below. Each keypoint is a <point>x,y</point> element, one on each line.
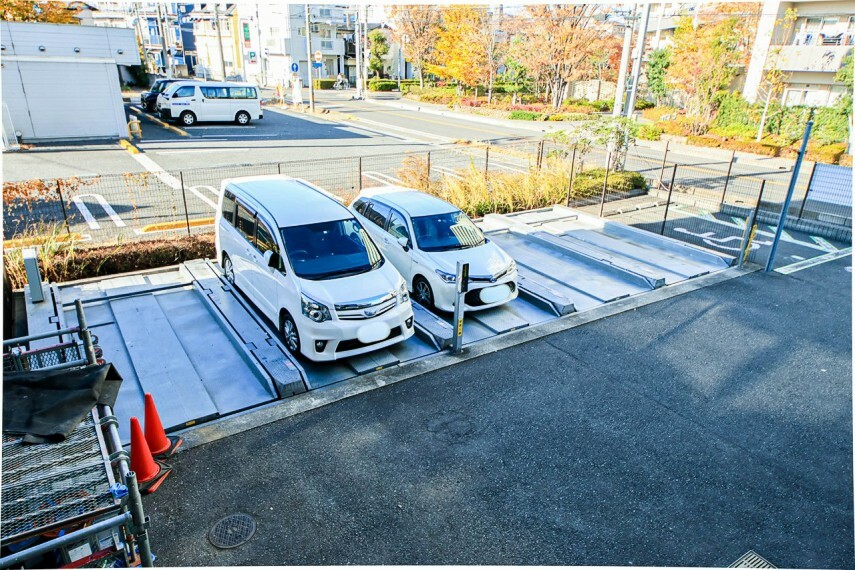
<point>683,433</point>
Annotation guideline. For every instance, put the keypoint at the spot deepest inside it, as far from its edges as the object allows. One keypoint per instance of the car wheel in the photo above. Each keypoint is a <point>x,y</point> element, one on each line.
<point>242,118</point>
<point>228,269</point>
<point>188,119</point>
<point>289,334</point>
<point>422,292</point>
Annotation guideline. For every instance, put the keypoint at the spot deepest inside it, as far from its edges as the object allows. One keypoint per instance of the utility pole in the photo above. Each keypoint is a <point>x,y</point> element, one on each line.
<point>365,54</point>
<point>358,37</point>
<point>658,35</point>
<point>219,39</point>
<point>309,61</point>
<point>617,109</point>
<point>167,67</point>
<point>636,70</point>
<point>261,48</point>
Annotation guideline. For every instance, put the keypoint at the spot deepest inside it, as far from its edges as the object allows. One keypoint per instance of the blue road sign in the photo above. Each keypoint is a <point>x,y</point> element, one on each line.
<point>295,68</point>
<point>316,64</point>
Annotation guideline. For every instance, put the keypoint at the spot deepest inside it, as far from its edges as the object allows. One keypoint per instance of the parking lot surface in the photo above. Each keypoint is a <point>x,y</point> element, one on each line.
<point>684,433</point>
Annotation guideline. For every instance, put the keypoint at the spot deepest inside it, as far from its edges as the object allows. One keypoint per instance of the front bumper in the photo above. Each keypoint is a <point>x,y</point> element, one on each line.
<point>341,337</point>
<point>445,294</point>
<point>165,113</point>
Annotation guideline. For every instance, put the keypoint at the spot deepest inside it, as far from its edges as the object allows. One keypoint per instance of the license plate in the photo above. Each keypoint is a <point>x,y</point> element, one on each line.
<point>373,332</point>
<point>495,294</point>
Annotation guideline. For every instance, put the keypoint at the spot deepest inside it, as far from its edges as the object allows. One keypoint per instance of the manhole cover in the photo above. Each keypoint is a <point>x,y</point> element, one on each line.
<point>752,560</point>
<point>232,531</point>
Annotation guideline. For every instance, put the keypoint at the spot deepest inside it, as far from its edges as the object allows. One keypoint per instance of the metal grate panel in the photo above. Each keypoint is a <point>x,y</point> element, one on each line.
<point>47,486</point>
<point>752,560</point>
<point>232,531</point>
<point>41,358</point>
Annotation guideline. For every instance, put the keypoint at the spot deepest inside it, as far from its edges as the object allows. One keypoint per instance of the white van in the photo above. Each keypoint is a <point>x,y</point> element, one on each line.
<point>306,262</point>
<point>191,101</point>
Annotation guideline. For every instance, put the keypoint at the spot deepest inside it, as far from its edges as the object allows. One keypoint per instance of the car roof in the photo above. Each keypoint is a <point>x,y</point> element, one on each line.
<point>411,201</point>
<point>182,82</point>
<point>290,201</point>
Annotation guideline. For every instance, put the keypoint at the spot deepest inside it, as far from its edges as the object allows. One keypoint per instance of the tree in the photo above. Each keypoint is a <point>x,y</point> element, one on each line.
<point>619,133</point>
<point>379,48</point>
<point>657,68</point>
<point>556,42</point>
<point>463,57</point>
<point>30,11</point>
<point>704,61</point>
<point>416,31</point>
<point>775,79</point>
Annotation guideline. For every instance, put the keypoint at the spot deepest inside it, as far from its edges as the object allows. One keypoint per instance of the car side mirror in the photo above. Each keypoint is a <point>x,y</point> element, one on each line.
<point>272,258</point>
<point>405,243</point>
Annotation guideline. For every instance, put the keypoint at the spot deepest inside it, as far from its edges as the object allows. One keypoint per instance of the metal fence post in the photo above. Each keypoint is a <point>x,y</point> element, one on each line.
<point>184,197</point>
<point>727,178</point>
<point>428,167</point>
<point>751,227</point>
<point>572,172</point>
<point>62,205</point>
<point>605,184</point>
<point>279,167</point>
<point>139,520</point>
<point>664,158</point>
<point>807,190</point>
<point>539,154</point>
<point>359,172</point>
<point>668,203</point>
<point>84,333</point>
<point>486,161</point>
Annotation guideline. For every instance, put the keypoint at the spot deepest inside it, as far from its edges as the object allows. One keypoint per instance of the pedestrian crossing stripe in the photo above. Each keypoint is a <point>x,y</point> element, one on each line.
<point>823,243</point>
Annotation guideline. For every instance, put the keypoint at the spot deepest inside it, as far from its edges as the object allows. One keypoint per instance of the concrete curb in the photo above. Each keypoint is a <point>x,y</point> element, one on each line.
<point>275,411</point>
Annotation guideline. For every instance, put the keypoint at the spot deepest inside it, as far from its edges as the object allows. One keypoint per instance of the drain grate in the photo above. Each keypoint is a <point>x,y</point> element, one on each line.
<point>232,531</point>
<point>752,560</point>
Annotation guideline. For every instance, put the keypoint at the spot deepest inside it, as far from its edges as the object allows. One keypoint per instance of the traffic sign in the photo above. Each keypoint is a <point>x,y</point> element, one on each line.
<point>317,65</point>
<point>319,57</point>
<point>295,68</point>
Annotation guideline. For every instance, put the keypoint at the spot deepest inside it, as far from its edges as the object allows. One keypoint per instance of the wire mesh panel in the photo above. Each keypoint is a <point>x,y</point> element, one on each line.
<point>48,486</point>
<point>19,360</point>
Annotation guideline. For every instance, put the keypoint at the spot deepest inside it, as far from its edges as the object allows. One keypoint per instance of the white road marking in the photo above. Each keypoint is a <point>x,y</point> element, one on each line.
<point>199,151</point>
<point>708,239</point>
<point>784,236</point>
<point>738,221</point>
<point>798,266</point>
<point>210,189</point>
<point>823,243</point>
<point>445,171</point>
<point>223,127</point>
<point>505,165</point>
<point>386,179</point>
<point>168,179</point>
<point>87,215</point>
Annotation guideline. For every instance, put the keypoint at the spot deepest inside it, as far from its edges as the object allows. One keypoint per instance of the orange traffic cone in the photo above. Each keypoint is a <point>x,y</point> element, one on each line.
<point>150,473</point>
<point>160,444</point>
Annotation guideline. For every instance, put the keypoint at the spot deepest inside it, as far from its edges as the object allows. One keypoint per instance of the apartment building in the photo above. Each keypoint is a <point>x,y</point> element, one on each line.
<point>810,50</point>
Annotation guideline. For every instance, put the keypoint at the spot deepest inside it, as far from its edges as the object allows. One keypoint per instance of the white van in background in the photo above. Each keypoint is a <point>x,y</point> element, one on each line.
<point>190,101</point>
<point>308,265</point>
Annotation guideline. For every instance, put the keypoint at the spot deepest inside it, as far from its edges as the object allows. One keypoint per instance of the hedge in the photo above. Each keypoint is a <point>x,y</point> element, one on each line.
<point>649,132</point>
<point>571,117</point>
<point>525,116</point>
<point>590,182</point>
<point>324,83</point>
<point>382,85</point>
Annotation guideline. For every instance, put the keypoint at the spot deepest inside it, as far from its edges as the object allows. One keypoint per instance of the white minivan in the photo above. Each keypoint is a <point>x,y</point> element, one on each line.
<point>425,237</point>
<point>190,101</point>
<point>305,261</point>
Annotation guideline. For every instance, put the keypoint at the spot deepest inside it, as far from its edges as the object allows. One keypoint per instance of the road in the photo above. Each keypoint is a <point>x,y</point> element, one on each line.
<point>683,433</point>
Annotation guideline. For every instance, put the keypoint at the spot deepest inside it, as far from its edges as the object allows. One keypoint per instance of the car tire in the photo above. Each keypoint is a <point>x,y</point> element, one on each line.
<point>422,292</point>
<point>188,119</point>
<point>242,118</point>
<point>289,334</point>
<point>229,270</point>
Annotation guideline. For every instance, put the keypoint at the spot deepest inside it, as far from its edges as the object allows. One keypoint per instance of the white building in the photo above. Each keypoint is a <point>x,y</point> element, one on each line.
<point>61,82</point>
<point>811,52</point>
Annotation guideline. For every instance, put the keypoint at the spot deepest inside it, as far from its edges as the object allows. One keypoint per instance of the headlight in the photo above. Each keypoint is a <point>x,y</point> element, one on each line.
<point>447,277</point>
<point>403,294</point>
<point>512,267</point>
<point>318,312</point>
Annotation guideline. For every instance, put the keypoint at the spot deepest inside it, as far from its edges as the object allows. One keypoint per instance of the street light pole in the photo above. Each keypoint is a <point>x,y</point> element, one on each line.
<point>617,109</point>
<point>358,37</point>
<point>636,70</point>
<point>220,39</point>
<point>163,31</point>
<point>309,61</point>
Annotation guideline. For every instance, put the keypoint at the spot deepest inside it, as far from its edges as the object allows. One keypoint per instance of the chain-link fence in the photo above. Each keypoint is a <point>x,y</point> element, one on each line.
<point>706,202</point>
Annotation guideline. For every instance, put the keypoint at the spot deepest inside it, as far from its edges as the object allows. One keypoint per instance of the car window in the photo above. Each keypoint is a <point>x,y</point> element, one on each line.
<point>242,92</point>
<point>360,205</point>
<point>215,92</point>
<point>398,226</point>
<point>245,223</point>
<point>378,213</point>
<point>445,232</point>
<point>264,238</point>
<point>330,250</point>
<point>158,86</point>
<point>229,207</point>
<point>186,91</point>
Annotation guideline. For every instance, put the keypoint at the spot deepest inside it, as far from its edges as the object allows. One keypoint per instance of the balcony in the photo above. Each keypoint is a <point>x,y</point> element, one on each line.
<point>809,58</point>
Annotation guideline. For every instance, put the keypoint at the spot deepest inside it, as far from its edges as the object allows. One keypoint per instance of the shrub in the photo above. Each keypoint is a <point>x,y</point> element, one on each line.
<point>649,132</point>
<point>536,107</point>
<point>323,83</point>
<point>734,130</point>
<point>571,117</point>
<point>586,109</point>
<point>703,140</point>
<point>642,104</point>
<point>829,154</point>
<point>438,95</point>
<point>845,160</point>
<point>470,102</point>
<point>382,85</point>
<point>680,127</point>
<point>751,146</point>
<point>656,113</point>
<point>525,116</point>
<point>830,125</point>
<point>734,110</point>
<point>602,105</point>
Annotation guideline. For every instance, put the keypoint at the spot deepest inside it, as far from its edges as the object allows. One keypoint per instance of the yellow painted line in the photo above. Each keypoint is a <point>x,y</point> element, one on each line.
<point>126,144</point>
<point>159,122</point>
<point>38,240</point>
<point>163,226</point>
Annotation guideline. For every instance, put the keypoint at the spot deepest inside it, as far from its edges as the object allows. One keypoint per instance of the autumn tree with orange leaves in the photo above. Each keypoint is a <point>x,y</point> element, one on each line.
<point>415,30</point>
<point>29,11</point>
<point>460,55</point>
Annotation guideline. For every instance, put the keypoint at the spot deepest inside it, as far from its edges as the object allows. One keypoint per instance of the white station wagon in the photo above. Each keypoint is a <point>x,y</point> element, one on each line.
<point>308,265</point>
<point>425,237</point>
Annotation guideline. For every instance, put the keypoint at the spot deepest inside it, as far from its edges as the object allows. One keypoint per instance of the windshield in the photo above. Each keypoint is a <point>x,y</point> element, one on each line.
<point>330,250</point>
<point>445,232</point>
<point>159,86</point>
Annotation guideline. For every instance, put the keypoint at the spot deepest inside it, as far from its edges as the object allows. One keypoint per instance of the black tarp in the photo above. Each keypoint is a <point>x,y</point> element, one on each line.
<point>48,405</point>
